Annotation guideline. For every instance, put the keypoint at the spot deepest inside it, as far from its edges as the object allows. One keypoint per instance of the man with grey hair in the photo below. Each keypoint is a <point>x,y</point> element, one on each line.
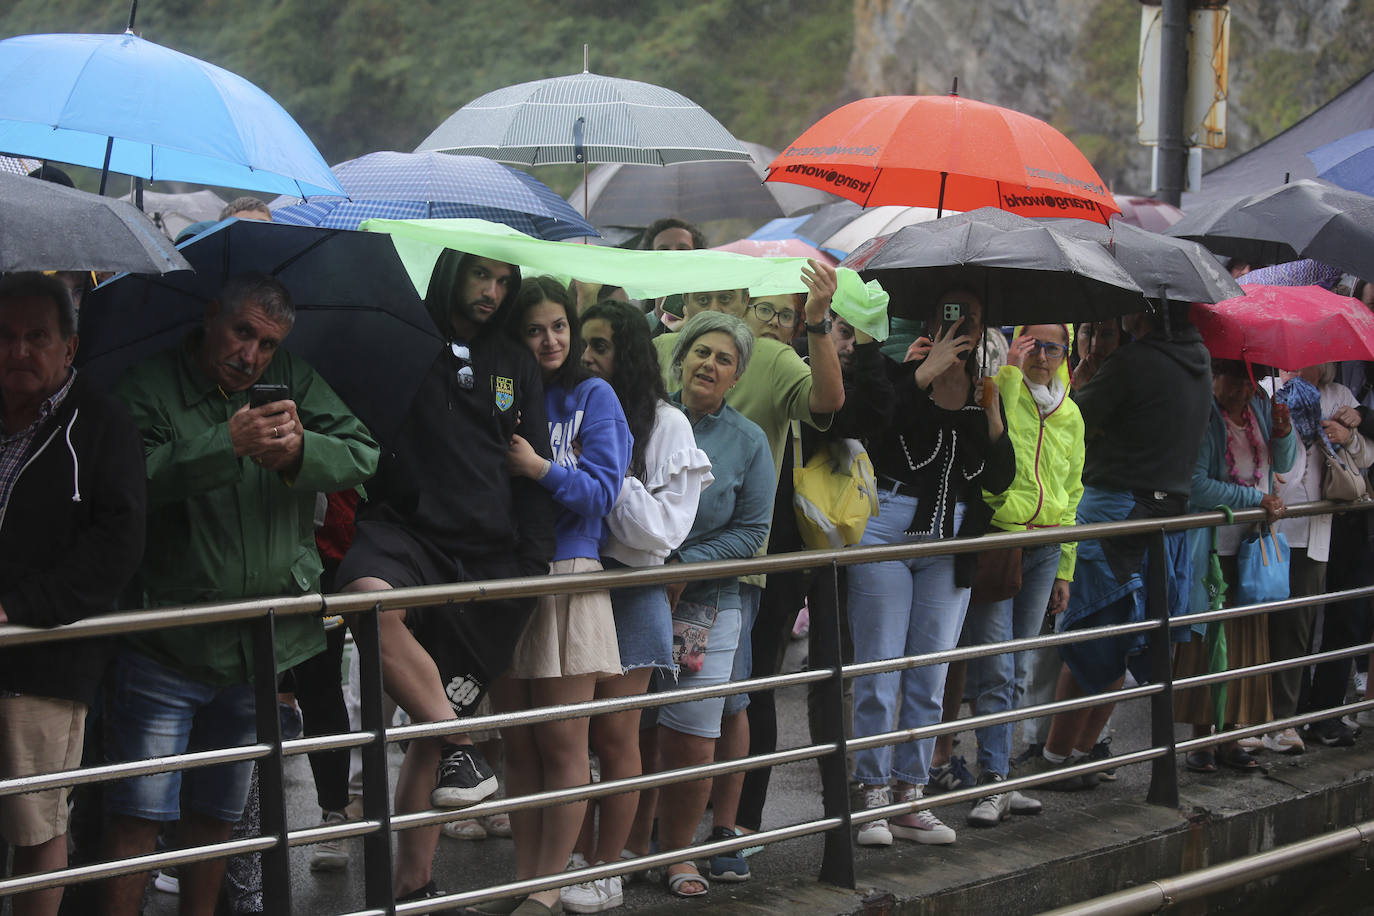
<point>231,501</point>
<point>247,208</point>
<point>72,503</point>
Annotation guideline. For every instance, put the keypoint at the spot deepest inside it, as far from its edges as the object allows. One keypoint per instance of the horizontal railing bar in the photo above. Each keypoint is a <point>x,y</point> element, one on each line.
<point>332,742</point>
<point>101,870</point>
<point>107,772</point>
<point>392,599</point>
<point>1268,607</point>
<point>1235,674</point>
<point>1155,895</point>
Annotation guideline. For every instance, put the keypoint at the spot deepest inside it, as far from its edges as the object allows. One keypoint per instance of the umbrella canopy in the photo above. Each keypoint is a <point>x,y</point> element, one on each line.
<point>1024,271</point>
<point>1147,212</point>
<point>174,212</point>
<point>1305,219</point>
<point>584,118</point>
<point>1348,162</point>
<point>945,152</point>
<point>778,248</point>
<point>636,195</point>
<point>359,321</point>
<point>125,105</point>
<point>1164,267</point>
<point>47,226</point>
<point>391,185</point>
<point>1288,327</point>
<point>869,224</point>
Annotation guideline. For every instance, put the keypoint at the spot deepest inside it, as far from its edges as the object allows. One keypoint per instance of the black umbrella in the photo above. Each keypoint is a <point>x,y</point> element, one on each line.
<point>1305,219</point>
<point>45,226</point>
<point>1024,271</point>
<point>1164,267</point>
<point>359,321</point>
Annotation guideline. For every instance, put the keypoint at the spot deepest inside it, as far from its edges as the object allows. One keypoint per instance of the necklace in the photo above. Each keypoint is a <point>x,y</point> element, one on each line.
<point>1249,426</point>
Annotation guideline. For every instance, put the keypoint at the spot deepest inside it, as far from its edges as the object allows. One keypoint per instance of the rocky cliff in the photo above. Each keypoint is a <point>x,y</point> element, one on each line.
<point>1073,63</point>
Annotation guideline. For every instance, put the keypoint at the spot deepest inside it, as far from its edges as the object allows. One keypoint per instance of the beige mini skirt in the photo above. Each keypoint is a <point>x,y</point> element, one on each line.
<point>569,635</point>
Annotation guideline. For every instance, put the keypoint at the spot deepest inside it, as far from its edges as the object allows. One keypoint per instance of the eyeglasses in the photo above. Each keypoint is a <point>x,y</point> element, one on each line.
<point>464,356</point>
<point>766,313</point>
<point>1050,349</point>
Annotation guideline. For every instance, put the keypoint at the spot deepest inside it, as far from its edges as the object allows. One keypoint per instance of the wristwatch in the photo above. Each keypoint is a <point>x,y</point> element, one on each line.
<point>821,327</point>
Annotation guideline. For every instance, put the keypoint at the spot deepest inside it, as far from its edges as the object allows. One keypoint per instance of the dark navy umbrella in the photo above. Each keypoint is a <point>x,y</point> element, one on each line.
<point>391,185</point>
<point>359,321</point>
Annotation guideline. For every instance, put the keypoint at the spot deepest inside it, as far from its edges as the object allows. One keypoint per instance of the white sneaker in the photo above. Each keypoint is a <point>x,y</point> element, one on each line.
<point>922,826</point>
<point>331,855</point>
<point>168,882</point>
<point>875,833</point>
<point>990,810</point>
<point>464,830</point>
<point>1361,679</point>
<point>1284,742</point>
<point>592,896</point>
<point>1365,718</point>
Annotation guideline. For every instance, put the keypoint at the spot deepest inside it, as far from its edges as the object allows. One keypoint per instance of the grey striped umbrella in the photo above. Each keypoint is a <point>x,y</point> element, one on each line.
<point>584,118</point>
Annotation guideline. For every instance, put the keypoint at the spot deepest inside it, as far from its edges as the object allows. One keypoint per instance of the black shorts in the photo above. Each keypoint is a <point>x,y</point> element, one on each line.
<point>471,642</point>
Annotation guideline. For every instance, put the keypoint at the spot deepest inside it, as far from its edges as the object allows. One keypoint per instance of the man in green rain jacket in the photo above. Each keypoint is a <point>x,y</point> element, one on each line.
<point>231,497</point>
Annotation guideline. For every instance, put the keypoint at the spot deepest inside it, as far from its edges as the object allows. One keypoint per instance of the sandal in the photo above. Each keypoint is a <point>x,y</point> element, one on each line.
<point>1201,761</point>
<point>674,882</point>
<point>1237,758</point>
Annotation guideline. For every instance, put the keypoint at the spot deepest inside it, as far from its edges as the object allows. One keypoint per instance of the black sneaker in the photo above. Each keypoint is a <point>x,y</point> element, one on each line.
<point>1102,750</point>
<point>1030,753</point>
<point>1330,732</point>
<point>465,778</point>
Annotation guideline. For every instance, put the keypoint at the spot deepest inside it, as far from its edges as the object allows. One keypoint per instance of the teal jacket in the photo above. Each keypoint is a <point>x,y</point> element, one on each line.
<point>221,528</point>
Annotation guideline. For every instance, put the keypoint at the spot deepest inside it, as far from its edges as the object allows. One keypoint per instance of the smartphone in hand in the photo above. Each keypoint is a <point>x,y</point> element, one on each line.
<point>263,393</point>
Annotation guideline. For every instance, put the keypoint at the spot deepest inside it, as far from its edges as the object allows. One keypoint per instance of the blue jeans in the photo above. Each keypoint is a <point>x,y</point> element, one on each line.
<point>153,711</point>
<point>896,608</point>
<point>997,683</point>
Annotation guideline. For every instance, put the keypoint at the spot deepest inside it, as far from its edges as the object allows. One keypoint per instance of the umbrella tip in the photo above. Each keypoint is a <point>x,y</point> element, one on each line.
<point>954,89</point>
<point>586,54</point>
<point>133,13</point>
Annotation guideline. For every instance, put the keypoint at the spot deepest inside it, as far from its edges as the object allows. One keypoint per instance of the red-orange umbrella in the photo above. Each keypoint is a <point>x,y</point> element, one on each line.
<point>945,152</point>
<point>1287,327</point>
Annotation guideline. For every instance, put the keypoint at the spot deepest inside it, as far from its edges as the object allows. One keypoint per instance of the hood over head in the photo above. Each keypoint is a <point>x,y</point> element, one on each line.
<point>444,283</point>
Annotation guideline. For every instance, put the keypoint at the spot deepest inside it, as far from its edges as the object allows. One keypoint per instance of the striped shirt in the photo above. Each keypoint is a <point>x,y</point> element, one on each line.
<point>15,449</point>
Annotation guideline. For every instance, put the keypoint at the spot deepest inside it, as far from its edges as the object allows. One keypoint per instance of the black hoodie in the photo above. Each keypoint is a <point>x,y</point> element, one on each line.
<point>1145,413</point>
<point>71,537</point>
<point>446,479</point>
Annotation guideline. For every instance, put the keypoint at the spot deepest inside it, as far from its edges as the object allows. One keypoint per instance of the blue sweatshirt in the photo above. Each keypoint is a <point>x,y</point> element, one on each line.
<point>734,511</point>
<point>585,486</point>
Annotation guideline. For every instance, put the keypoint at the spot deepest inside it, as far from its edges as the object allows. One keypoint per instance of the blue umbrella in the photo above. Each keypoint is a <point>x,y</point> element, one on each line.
<point>390,185</point>
<point>1348,162</point>
<point>359,321</point>
<point>122,104</point>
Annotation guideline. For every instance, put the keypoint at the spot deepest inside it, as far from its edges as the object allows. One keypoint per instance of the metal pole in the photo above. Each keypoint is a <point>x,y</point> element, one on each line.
<point>1163,770</point>
<point>367,643</point>
<point>1173,86</point>
<point>837,858</point>
<point>276,862</point>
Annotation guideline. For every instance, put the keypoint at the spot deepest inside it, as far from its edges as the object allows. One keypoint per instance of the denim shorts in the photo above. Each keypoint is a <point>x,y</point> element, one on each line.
<point>153,711</point>
<point>750,596</point>
<point>702,717</point>
<point>643,625</point>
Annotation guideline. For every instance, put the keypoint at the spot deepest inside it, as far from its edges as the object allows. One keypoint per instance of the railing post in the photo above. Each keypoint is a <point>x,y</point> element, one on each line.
<point>276,862</point>
<point>837,859</point>
<point>1163,770</point>
<point>367,643</point>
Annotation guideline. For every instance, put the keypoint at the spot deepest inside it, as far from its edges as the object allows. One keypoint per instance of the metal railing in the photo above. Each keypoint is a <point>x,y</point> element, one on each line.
<point>837,864</point>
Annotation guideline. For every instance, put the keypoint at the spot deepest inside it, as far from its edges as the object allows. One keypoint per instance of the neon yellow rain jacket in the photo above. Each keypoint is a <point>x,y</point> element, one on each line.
<point>1049,463</point>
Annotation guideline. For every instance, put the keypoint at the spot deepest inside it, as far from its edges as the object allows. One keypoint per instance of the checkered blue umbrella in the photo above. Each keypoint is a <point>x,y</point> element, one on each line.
<point>391,185</point>
<point>585,118</point>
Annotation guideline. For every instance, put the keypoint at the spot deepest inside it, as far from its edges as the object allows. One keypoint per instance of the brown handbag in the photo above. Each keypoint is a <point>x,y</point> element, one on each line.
<point>997,575</point>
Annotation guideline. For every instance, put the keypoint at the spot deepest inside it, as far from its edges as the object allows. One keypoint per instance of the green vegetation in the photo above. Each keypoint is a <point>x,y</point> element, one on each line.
<point>364,75</point>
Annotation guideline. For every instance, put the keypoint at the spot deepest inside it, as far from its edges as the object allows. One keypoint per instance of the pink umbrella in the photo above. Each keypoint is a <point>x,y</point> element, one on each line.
<point>1288,327</point>
<point>778,248</point>
<point>1147,213</point>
